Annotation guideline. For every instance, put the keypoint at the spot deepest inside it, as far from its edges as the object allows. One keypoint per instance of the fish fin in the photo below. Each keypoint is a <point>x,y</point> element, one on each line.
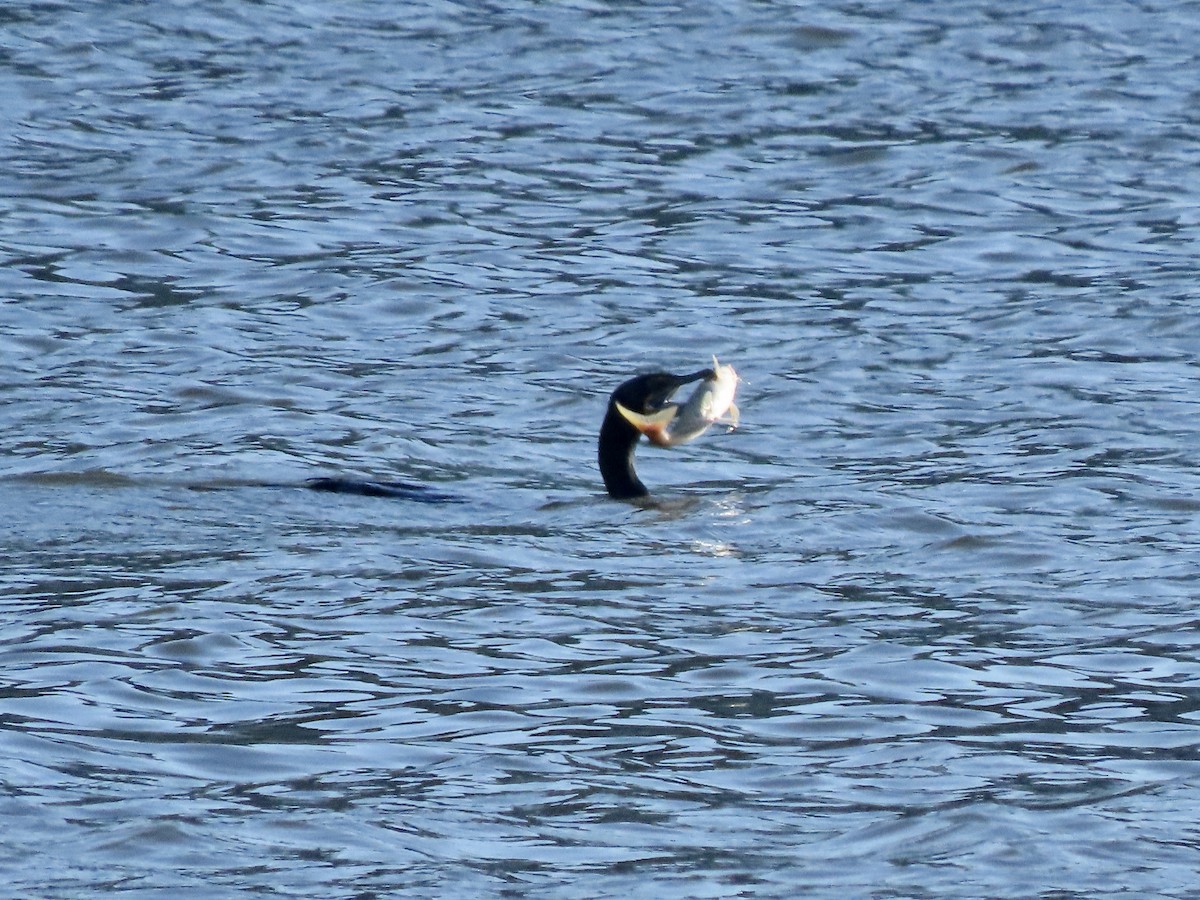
<point>653,426</point>
<point>734,416</point>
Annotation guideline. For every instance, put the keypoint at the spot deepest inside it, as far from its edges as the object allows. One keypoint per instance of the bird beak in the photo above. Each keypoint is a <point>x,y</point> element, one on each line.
<point>653,426</point>
<point>662,400</point>
<point>702,375</point>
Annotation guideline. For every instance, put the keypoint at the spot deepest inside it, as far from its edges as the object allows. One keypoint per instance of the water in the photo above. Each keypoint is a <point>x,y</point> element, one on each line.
<point>924,626</point>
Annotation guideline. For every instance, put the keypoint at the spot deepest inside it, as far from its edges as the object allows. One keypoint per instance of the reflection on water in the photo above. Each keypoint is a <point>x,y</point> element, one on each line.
<point>922,626</point>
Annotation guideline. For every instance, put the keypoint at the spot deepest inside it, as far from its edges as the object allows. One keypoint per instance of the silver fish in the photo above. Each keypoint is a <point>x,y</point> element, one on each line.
<point>675,424</point>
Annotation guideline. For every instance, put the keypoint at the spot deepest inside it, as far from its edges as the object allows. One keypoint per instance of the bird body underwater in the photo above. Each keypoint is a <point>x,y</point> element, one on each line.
<point>641,405</point>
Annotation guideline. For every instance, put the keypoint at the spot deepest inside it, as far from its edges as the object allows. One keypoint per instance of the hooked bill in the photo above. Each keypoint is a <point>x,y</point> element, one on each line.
<point>677,424</point>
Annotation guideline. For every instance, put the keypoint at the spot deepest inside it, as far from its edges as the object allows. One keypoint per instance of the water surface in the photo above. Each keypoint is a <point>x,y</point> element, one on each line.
<point>924,626</point>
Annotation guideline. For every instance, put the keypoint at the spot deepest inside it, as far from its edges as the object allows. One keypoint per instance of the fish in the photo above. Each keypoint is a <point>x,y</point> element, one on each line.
<point>675,424</point>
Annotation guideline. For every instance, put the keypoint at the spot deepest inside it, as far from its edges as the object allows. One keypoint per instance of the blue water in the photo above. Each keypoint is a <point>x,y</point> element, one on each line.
<point>926,625</point>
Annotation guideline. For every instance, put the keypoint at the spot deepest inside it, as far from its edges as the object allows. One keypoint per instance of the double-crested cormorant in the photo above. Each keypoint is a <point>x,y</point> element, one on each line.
<point>645,395</point>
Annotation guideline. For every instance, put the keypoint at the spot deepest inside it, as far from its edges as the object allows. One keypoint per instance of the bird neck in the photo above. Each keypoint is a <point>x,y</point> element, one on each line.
<point>617,442</point>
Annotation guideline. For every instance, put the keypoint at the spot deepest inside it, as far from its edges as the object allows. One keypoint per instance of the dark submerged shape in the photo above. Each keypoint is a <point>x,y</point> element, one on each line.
<point>645,394</point>
<point>397,490</point>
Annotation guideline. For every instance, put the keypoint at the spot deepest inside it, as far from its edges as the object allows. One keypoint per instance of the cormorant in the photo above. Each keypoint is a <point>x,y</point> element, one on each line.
<point>645,394</point>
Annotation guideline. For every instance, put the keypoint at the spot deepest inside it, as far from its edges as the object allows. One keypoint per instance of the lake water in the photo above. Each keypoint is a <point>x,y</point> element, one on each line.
<point>926,625</point>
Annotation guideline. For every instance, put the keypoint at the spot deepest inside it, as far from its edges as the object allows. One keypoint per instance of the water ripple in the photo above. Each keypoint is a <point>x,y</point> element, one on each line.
<point>923,625</point>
